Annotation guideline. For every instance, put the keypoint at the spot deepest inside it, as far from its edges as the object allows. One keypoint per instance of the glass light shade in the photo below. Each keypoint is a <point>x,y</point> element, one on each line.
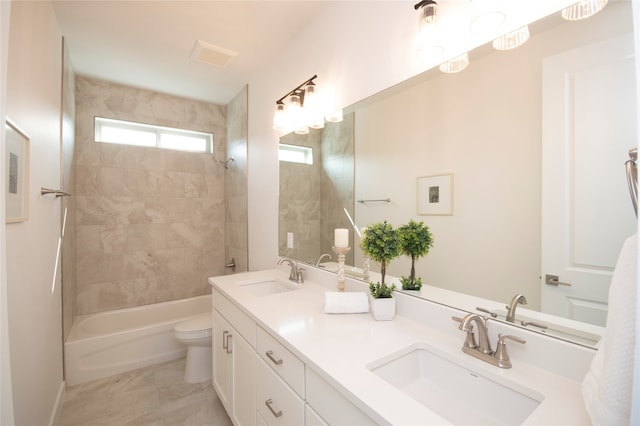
<point>312,107</point>
<point>512,40</point>
<point>583,9</point>
<point>428,32</point>
<point>280,118</point>
<point>486,15</point>
<point>456,64</point>
<point>295,116</point>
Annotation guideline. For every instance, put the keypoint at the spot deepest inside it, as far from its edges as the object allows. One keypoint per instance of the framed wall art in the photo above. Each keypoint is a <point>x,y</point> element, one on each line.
<point>17,173</point>
<point>435,195</point>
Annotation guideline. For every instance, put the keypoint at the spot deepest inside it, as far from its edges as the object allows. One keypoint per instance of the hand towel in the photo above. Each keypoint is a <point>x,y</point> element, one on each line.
<point>608,385</point>
<point>345,303</point>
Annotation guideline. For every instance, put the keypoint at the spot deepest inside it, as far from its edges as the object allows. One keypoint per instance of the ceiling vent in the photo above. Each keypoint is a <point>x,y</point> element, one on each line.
<point>212,55</point>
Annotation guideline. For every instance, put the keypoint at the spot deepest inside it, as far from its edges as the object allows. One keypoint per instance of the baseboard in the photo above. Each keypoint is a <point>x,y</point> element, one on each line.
<point>57,409</point>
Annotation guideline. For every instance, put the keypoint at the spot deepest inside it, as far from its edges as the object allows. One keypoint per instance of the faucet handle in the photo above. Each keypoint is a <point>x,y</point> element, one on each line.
<point>299,276</point>
<point>501,354</point>
<point>470,340</point>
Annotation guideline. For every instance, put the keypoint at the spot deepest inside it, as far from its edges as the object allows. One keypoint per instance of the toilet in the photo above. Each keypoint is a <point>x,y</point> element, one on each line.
<point>195,333</point>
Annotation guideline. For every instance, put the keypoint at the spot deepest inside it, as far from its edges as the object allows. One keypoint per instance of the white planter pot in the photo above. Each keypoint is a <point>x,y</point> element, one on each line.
<point>382,309</point>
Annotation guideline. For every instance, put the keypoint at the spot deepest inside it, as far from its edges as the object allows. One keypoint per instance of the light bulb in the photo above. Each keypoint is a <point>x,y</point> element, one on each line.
<point>428,31</point>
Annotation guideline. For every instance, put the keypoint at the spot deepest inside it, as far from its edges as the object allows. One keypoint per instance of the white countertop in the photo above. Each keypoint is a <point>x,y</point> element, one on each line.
<point>339,348</point>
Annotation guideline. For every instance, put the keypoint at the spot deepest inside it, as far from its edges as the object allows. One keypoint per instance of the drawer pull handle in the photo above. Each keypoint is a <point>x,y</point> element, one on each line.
<point>275,412</point>
<point>224,340</point>
<point>269,355</point>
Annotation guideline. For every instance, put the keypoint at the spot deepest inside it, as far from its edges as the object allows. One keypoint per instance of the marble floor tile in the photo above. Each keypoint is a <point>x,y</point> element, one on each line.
<point>151,396</point>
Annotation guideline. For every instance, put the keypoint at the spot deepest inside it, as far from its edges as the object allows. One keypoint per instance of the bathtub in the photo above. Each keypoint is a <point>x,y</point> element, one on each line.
<point>107,343</point>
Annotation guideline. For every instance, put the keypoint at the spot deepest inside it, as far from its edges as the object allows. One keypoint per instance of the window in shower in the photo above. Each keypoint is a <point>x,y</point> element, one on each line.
<point>108,130</point>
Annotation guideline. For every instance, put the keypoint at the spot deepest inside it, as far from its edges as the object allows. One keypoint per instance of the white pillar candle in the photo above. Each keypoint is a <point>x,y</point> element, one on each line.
<point>341,237</point>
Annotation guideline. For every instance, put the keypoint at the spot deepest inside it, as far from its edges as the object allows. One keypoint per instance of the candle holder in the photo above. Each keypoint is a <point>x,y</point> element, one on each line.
<point>365,268</point>
<point>341,252</point>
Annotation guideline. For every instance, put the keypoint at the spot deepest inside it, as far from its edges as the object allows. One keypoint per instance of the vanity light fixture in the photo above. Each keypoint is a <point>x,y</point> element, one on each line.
<point>456,64</point>
<point>583,9</point>
<point>299,109</point>
<point>486,15</point>
<point>512,40</point>
<point>428,29</point>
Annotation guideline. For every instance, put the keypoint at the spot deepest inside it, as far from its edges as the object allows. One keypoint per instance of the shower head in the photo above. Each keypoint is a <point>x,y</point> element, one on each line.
<point>226,162</point>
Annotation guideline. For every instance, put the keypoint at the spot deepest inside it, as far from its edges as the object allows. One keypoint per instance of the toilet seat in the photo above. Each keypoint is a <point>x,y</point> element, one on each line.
<point>195,327</point>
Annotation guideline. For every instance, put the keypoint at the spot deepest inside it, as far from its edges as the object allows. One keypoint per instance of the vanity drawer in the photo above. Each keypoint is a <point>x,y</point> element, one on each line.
<point>241,321</point>
<point>276,402</point>
<point>333,408</point>
<point>283,362</point>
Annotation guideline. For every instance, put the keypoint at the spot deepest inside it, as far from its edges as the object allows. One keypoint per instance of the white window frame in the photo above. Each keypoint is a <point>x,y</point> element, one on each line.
<point>288,152</point>
<point>156,131</point>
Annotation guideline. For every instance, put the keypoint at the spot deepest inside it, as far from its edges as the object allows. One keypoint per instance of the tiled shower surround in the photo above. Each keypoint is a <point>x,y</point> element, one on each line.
<point>150,223</point>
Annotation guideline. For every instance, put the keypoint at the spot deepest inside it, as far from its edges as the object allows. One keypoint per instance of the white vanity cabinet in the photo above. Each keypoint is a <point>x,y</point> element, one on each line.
<point>234,361</point>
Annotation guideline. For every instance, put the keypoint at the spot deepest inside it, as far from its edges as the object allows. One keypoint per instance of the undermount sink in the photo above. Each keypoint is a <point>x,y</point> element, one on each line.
<point>455,392</point>
<point>267,287</point>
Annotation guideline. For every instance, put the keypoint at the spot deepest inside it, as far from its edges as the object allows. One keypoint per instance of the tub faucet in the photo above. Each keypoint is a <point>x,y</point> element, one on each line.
<point>484,345</point>
<point>511,308</point>
<point>322,256</point>
<point>296,273</point>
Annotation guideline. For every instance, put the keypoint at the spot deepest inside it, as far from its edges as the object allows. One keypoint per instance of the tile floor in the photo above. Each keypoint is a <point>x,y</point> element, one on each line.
<point>151,396</point>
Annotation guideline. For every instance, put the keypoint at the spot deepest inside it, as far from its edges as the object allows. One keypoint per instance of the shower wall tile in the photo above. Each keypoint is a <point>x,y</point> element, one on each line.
<point>150,223</point>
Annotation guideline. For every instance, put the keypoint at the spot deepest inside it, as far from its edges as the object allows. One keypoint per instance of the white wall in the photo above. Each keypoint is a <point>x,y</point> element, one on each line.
<point>6,394</point>
<point>357,49</point>
<point>35,320</point>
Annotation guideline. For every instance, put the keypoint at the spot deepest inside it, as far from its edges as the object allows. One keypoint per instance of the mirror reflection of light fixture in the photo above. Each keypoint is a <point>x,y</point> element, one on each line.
<point>456,64</point>
<point>583,9</point>
<point>303,109</point>
<point>512,40</point>
<point>428,29</point>
<point>486,15</point>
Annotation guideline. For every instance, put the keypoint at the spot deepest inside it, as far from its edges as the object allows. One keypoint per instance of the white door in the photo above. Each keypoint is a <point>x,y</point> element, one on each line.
<point>589,124</point>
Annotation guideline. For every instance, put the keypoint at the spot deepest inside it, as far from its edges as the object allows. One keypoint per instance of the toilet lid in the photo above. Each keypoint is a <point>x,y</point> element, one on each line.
<point>196,323</point>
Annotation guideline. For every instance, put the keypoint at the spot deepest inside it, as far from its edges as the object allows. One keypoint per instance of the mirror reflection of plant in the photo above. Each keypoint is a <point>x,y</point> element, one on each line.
<point>415,241</point>
<point>380,243</point>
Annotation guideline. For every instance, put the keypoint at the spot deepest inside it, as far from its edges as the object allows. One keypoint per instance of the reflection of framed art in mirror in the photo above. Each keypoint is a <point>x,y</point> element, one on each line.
<point>435,195</point>
<point>17,173</point>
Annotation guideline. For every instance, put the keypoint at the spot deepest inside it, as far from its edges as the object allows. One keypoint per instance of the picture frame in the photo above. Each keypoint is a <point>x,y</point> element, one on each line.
<point>17,173</point>
<point>435,195</point>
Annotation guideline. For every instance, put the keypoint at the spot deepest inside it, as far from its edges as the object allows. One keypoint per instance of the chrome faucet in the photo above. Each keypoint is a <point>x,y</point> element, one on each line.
<point>322,256</point>
<point>296,273</point>
<point>511,308</point>
<point>482,351</point>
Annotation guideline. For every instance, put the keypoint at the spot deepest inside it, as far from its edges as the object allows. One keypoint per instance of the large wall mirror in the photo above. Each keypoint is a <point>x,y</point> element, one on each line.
<point>535,140</point>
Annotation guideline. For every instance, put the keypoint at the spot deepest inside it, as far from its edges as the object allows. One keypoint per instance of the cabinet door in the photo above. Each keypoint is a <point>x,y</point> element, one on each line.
<point>222,360</point>
<point>244,381</point>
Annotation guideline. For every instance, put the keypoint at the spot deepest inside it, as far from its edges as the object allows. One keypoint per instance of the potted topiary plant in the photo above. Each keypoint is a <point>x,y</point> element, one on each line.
<point>415,241</point>
<point>380,243</point>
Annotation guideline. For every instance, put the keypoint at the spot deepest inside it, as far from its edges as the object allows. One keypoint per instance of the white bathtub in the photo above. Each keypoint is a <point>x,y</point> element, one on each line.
<point>108,343</point>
